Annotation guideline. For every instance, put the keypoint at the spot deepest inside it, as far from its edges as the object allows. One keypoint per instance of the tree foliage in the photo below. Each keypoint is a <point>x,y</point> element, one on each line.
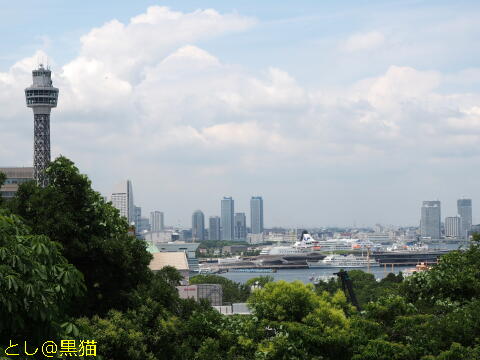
<point>261,281</point>
<point>455,280</point>
<point>36,283</point>
<point>365,286</point>
<point>94,237</point>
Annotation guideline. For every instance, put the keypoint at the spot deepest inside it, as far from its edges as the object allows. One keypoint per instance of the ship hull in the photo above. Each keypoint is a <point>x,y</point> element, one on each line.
<point>328,266</point>
<point>408,258</point>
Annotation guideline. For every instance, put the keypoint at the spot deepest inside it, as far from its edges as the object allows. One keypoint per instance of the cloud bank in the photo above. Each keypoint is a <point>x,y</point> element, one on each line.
<point>143,100</point>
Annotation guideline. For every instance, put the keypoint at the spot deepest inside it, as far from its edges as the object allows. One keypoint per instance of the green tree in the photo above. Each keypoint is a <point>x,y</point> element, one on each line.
<point>158,325</point>
<point>284,301</point>
<point>365,286</point>
<point>455,280</point>
<point>457,352</point>
<point>379,349</point>
<point>259,280</point>
<point>36,283</point>
<point>94,237</point>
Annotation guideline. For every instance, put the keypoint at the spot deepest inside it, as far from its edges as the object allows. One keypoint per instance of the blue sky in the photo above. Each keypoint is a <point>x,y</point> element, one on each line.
<point>336,112</point>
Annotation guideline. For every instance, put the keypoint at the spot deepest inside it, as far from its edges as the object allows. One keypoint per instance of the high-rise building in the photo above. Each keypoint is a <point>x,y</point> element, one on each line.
<point>214,228</point>
<point>198,226</point>
<point>15,176</point>
<point>122,199</point>
<point>41,96</point>
<point>137,215</point>
<point>430,220</point>
<point>156,221</point>
<point>143,225</point>
<point>256,215</point>
<point>452,227</point>
<point>227,210</point>
<point>464,208</point>
<point>240,227</point>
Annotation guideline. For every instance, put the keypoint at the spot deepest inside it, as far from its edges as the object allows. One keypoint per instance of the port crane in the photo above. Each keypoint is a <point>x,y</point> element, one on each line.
<point>347,287</point>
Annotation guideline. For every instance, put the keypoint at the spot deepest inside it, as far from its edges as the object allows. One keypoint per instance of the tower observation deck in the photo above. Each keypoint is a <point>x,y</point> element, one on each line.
<point>41,96</point>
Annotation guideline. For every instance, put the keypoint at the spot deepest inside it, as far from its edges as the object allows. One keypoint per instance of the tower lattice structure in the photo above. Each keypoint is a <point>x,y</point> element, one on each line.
<point>41,96</point>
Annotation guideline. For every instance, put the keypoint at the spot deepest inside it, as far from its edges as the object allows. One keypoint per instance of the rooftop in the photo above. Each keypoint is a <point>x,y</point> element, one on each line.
<point>176,259</point>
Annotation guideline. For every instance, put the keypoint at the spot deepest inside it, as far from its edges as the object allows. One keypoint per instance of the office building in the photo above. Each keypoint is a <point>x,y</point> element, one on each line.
<point>256,215</point>
<point>198,226</point>
<point>240,229</point>
<point>15,176</point>
<point>41,96</point>
<point>464,208</point>
<point>214,228</point>
<point>137,215</point>
<point>226,219</point>
<point>430,219</point>
<point>156,221</point>
<point>453,227</point>
<point>143,225</point>
<point>122,199</point>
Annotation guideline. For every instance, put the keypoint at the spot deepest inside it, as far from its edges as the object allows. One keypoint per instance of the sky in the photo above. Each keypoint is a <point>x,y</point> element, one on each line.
<point>338,113</point>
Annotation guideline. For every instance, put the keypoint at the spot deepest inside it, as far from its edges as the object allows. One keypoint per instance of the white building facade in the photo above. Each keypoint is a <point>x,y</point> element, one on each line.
<point>122,199</point>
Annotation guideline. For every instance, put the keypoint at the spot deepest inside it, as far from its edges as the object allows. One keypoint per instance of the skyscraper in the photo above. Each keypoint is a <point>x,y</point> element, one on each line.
<point>137,215</point>
<point>122,199</point>
<point>452,227</point>
<point>198,226</point>
<point>430,221</point>
<point>256,215</point>
<point>41,96</point>
<point>214,228</point>
<point>464,208</point>
<point>156,221</point>
<point>142,224</point>
<point>227,210</point>
<point>240,227</point>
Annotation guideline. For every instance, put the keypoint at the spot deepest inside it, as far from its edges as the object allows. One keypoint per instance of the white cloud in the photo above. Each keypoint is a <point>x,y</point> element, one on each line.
<point>363,41</point>
<point>127,48</point>
<point>144,100</point>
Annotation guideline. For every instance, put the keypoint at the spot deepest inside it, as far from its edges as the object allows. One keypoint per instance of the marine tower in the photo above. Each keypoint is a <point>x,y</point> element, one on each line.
<point>41,96</point>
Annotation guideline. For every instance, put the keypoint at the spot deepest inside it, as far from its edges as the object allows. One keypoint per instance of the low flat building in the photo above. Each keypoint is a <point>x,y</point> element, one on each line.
<point>255,238</point>
<point>15,177</point>
<point>178,260</point>
<point>234,249</point>
<point>188,248</point>
<point>379,238</point>
<point>162,236</point>
<point>234,309</point>
<point>211,292</point>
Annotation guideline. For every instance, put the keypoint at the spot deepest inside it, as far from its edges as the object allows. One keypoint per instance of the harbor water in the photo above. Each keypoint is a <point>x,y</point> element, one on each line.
<point>304,275</point>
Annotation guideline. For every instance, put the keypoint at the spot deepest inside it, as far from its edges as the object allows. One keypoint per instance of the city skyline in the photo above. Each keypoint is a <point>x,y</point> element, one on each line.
<point>335,126</point>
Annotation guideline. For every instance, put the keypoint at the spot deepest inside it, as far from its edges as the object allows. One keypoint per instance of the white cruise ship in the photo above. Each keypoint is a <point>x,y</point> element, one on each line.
<point>342,261</point>
<point>305,246</point>
<point>285,250</point>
